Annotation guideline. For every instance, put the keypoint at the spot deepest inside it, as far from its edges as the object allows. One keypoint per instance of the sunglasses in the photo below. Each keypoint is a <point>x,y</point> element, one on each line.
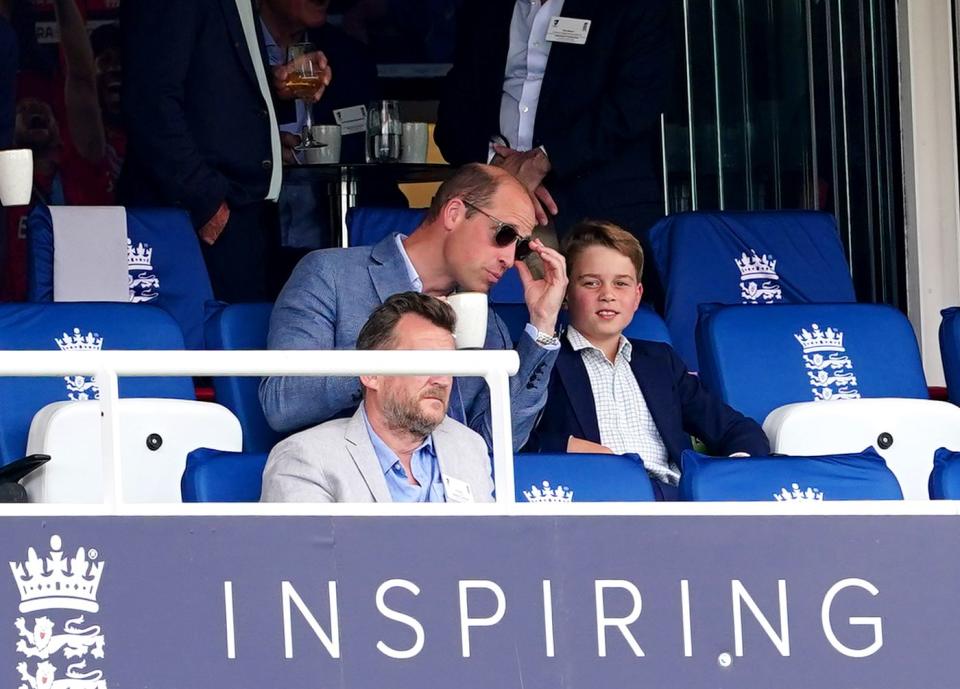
<point>506,234</point>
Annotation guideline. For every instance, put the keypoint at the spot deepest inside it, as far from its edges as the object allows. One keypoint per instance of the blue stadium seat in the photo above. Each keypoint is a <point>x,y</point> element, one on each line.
<point>770,257</point>
<point>165,266</point>
<point>240,327</point>
<point>581,478</point>
<point>862,476</point>
<point>758,359</point>
<point>368,225</point>
<point>950,351</point>
<point>78,326</point>
<point>214,476</point>
<point>945,477</point>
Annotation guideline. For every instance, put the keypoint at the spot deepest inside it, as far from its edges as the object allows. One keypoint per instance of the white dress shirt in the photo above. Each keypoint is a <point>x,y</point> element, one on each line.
<point>526,65</point>
<point>623,416</point>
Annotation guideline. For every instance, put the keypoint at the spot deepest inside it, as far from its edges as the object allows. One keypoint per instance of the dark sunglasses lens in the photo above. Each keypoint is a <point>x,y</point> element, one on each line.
<point>523,249</point>
<point>506,235</point>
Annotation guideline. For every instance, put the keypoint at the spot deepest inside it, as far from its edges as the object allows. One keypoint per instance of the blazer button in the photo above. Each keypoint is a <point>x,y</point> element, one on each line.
<point>267,164</point>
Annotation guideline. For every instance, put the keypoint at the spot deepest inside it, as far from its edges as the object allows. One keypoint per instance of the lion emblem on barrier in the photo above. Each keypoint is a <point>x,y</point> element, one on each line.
<point>74,680</point>
<point>43,643</point>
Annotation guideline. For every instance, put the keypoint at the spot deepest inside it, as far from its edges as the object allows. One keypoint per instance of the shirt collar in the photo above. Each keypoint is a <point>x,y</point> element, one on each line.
<point>274,53</point>
<point>580,343</point>
<point>385,455</point>
<point>415,280</point>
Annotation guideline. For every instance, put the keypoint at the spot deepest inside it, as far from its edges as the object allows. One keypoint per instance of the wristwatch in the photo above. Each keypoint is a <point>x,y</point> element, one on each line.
<point>545,340</point>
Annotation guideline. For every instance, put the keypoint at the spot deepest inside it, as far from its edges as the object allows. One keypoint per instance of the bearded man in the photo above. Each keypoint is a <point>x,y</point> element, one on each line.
<point>400,445</point>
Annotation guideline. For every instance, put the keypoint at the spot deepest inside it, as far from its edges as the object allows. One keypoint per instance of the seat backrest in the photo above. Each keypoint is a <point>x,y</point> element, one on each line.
<point>950,351</point>
<point>945,477</point>
<point>238,327</point>
<point>758,359</point>
<point>165,267</point>
<point>367,225</point>
<point>214,476</point>
<point>581,478</point>
<point>769,257</point>
<point>862,476</point>
<point>71,327</point>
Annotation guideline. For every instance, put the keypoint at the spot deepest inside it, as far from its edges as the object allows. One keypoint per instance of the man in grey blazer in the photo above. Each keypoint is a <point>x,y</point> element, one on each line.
<point>478,223</point>
<point>399,446</point>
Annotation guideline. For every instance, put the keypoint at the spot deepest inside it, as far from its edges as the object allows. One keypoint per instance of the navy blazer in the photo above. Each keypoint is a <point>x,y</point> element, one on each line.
<point>197,124</point>
<point>677,400</point>
<point>599,107</point>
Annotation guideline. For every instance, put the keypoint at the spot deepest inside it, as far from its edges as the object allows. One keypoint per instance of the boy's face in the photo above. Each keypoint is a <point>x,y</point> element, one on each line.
<point>604,292</point>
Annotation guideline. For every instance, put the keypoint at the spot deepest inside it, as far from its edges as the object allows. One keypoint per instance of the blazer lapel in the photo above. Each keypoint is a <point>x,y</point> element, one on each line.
<point>576,383</point>
<point>563,57</point>
<point>652,384</point>
<point>388,270</point>
<point>361,451</point>
<point>231,11</point>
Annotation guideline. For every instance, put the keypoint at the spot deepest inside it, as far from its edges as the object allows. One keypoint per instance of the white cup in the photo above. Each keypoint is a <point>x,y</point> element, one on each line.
<point>16,177</point>
<point>471,309</point>
<point>413,145</point>
<point>329,135</point>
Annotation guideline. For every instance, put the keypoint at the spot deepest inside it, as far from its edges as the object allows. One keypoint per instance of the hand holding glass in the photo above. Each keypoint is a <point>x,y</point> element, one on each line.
<point>304,79</point>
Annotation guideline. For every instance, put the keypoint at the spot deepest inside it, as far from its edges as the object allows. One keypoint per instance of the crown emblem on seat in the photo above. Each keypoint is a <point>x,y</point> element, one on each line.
<point>77,342</point>
<point>547,494</point>
<point>796,495</point>
<point>754,267</point>
<point>139,257</point>
<point>57,581</point>
<point>817,340</point>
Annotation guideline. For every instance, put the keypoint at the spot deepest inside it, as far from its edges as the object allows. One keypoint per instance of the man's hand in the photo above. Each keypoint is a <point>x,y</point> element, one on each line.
<point>575,444</point>
<point>285,75</point>
<point>530,167</point>
<point>289,143</point>
<point>215,225</point>
<point>545,296</point>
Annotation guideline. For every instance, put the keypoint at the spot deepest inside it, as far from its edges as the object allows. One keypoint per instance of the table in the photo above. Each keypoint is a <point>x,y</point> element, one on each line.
<point>344,181</point>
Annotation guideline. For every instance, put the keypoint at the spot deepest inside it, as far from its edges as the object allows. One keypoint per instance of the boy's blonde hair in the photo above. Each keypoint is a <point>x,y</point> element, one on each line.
<point>589,233</point>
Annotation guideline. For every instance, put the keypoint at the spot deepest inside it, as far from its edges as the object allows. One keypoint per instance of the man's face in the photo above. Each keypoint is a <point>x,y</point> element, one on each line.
<point>471,252</point>
<point>416,404</point>
<point>603,294</point>
<point>109,75</point>
<point>307,13</point>
<point>36,127</point>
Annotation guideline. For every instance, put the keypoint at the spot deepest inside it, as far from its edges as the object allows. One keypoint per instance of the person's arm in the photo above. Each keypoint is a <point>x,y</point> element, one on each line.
<point>724,430</point>
<point>633,102</point>
<point>305,318</point>
<point>84,118</point>
<point>160,44</point>
<point>291,476</point>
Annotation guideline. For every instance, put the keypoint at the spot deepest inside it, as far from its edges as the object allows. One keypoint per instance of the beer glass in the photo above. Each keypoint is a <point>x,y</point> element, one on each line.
<point>303,81</point>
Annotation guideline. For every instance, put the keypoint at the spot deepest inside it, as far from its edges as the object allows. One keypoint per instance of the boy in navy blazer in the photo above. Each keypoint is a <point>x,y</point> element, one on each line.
<point>610,394</point>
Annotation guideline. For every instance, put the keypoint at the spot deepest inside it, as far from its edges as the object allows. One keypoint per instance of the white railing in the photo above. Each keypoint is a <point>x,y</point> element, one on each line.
<point>495,367</point>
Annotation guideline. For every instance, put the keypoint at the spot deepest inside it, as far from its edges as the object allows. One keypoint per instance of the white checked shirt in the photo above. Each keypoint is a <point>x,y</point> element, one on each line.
<point>625,422</point>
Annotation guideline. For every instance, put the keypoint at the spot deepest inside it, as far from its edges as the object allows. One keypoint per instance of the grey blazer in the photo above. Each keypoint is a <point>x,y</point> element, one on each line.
<point>336,462</point>
<point>326,301</point>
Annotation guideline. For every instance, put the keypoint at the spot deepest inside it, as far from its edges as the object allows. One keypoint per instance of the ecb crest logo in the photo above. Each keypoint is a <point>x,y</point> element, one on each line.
<point>59,586</point>
<point>759,282</point>
<point>829,368</point>
<point>80,388</point>
<point>142,284</point>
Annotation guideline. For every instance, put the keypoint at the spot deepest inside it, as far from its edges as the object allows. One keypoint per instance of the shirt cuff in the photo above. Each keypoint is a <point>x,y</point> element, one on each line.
<point>531,330</point>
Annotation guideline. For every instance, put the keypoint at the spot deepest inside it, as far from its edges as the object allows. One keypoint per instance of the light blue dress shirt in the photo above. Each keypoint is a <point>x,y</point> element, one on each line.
<point>276,57</point>
<point>526,65</point>
<point>423,464</point>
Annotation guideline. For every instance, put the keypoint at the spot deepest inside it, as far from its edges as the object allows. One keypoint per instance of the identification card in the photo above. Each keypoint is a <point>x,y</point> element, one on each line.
<point>457,490</point>
<point>568,30</point>
<point>351,120</point>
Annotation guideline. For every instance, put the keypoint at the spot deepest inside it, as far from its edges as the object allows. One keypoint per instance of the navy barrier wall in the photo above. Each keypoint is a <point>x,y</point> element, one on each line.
<point>186,602</point>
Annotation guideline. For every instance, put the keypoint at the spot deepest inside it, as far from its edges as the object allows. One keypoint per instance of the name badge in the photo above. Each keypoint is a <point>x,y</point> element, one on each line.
<point>351,120</point>
<point>568,30</point>
<point>457,490</point>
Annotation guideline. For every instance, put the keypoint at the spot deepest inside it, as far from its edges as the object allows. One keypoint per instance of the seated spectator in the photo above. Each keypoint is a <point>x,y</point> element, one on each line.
<point>609,394</point>
<point>467,241</point>
<point>399,446</point>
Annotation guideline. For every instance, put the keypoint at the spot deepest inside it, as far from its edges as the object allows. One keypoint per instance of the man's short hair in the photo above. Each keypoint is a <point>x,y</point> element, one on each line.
<point>589,233</point>
<point>378,331</point>
<point>472,183</point>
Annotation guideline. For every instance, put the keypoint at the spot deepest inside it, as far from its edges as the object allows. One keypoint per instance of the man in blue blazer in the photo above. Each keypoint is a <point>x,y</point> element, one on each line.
<point>478,224</point>
<point>611,394</point>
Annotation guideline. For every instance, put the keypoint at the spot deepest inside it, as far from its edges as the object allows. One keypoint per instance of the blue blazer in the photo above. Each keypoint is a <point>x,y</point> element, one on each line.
<point>677,400</point>
<point>325,303</point>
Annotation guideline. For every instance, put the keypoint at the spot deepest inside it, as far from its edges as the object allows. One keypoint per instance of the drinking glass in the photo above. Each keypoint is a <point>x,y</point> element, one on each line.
<point>303,82</point>
<point>384,130</point>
